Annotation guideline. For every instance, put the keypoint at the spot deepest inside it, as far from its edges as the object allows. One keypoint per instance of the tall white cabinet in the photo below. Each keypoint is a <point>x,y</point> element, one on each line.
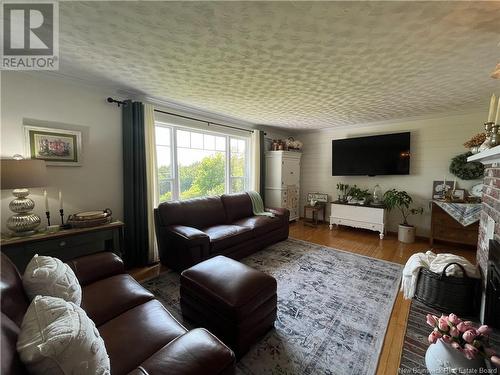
<point>282,185</point>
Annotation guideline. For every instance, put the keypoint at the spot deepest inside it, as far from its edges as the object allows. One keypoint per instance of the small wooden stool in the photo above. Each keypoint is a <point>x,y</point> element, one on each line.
<point>316,210</point>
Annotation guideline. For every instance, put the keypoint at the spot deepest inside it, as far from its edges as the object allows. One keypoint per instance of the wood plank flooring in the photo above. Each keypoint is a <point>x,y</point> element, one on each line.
<point>365,243</point>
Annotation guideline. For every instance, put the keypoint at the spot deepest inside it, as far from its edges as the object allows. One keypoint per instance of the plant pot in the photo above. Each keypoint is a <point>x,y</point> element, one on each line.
<point>441,358</point>
<point>406,233</point>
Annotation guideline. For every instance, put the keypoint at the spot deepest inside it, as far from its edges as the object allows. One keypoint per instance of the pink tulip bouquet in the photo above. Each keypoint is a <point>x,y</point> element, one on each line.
<point>463,336</point>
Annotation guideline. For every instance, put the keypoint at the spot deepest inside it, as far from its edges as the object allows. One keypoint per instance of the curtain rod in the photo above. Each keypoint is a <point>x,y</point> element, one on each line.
<point>119,102</point>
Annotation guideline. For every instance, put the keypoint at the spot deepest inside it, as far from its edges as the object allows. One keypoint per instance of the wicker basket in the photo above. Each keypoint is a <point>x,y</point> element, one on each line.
<point>449,294</point>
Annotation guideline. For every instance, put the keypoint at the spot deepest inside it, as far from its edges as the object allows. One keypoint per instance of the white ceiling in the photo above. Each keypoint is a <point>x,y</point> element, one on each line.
<point>290,64</point>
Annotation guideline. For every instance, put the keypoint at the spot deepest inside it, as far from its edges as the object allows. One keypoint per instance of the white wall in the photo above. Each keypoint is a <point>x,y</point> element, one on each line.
<point>97,184</point>
<point>433,143</point>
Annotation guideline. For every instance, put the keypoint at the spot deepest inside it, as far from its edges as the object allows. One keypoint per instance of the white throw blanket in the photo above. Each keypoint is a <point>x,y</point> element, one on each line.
<point>434,263</point>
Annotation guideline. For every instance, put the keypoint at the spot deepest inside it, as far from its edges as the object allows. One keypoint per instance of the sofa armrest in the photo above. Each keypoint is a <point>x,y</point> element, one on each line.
<point>96,266</point>
<point>284,212</point>
<point>195,352</point>
<point>188,233</point>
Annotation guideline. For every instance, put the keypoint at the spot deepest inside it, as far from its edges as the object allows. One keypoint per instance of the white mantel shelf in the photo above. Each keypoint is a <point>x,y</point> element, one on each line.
<point>489,156</point>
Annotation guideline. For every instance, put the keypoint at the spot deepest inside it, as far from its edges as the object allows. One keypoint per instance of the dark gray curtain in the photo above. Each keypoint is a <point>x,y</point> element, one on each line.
<point>262,166</point>
<point>134,185</point>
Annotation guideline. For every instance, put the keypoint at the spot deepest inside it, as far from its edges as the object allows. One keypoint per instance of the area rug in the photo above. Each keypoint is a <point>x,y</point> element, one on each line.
<point>333,310</point>
<point>416,344</point>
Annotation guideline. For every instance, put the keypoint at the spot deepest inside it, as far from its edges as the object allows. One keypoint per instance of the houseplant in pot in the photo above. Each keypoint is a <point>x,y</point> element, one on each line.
<point>402,201</point>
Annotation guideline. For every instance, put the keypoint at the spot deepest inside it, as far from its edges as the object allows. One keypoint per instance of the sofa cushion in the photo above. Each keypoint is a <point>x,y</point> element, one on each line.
<point>57,337</point>
<point>196,352</point>
<point>224,236</point>
<point>49,276</point>
<point>197,213</point>
<point>137,334</point>
<point>260,224</point>
<point>237,206</point>
<point>108,298</point>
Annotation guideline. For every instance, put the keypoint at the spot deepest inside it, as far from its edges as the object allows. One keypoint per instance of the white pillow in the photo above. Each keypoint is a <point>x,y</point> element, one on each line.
<point>48,276</point>
<point>57,337</point>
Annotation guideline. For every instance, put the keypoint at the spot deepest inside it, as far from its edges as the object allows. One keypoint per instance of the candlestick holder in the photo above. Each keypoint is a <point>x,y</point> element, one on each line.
<point>47,213</point>
<point>494,137</point>
<point>488,129</point>
<point>61,212</point>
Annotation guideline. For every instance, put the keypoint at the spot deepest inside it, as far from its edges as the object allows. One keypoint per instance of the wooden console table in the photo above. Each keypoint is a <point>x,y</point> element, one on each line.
<point>445,228</point>
<point>65,244</point>
<point>359,216</point>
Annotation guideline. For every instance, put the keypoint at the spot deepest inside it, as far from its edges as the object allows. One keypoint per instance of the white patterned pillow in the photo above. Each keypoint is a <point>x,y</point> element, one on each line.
<point>57,337</point>
<point>48,276</point>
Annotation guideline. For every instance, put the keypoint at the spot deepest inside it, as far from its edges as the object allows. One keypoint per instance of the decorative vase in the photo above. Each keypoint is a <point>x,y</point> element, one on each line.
<point>406,233</point>
<point>441,358</point>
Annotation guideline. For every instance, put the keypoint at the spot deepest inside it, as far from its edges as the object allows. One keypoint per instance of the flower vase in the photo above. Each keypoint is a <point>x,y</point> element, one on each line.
<point>441,358</point>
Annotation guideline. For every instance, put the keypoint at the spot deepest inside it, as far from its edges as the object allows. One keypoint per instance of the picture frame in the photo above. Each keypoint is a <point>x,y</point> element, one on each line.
<point>459,194</point>
<point>318,197</point>
<point>58,147</point>
<point>438,187</point>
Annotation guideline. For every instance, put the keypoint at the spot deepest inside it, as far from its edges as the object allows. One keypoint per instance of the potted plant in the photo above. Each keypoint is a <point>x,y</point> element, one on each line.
<point>342,190</point>
<point>458,347</point>
<point>358,195</point>
<point>401,200</point>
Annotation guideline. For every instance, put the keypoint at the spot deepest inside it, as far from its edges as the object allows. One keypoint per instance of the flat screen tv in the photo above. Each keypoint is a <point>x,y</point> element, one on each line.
<point>387,154</point>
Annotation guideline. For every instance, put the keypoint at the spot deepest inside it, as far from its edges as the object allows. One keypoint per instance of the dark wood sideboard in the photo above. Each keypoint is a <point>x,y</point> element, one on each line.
<point>65,244</point>
<point>446,228</point>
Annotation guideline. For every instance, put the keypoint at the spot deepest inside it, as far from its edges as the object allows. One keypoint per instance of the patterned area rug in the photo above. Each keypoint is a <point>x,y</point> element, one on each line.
<point>416,344</point>
<point>333,310</point>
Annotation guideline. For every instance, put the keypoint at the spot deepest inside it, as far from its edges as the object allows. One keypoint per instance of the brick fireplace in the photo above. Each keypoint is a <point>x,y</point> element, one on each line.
<point>489,225</point>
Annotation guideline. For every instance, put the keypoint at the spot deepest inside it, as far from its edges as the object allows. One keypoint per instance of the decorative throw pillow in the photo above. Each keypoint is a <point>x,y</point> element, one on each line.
<point>57,337</point>
<point>48,276</point>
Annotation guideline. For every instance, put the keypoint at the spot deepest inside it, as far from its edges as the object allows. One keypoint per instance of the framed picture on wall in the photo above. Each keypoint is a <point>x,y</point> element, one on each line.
<point>57,147</point>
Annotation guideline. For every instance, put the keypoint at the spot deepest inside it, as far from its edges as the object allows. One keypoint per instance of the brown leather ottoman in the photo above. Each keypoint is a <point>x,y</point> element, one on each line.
<point>233,301</point>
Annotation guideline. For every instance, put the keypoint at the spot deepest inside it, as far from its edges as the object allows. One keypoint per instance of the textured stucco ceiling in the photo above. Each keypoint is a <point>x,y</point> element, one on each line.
<point>290,64</point>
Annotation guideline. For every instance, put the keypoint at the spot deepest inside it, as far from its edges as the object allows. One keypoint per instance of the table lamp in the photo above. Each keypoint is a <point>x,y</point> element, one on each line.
<point>20,174</point>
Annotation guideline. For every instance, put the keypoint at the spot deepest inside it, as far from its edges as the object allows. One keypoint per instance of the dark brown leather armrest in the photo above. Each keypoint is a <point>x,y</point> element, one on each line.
<point>188,233</point>
<point>284,212</point>
<point>195,352</point>
<point>96,266</point>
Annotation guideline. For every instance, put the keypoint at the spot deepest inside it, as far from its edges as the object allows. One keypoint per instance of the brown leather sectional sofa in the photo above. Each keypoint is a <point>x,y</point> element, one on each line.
<point>140,335</point>
<point>191,231</point>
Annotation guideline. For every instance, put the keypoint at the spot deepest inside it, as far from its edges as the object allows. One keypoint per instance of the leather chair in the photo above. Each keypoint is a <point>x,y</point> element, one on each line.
<point>193,230</point>
<point>140,335</point>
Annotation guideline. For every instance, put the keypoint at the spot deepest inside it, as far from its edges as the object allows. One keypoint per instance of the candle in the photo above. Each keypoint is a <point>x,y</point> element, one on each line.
<point>46,200</point>
<point>454,184</point>
<point>498,113</point>
<point>60,200</point>
<point>491,113</point>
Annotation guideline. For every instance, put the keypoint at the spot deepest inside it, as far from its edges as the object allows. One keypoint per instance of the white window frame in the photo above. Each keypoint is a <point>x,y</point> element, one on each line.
<point>175,183</point>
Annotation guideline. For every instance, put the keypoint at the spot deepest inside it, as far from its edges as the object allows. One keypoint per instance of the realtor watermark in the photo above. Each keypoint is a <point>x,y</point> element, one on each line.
<point>30,35</point>
<point>448,371</point>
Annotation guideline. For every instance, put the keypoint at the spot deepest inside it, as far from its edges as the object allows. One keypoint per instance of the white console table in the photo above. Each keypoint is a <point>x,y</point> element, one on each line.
<point>359,216</point>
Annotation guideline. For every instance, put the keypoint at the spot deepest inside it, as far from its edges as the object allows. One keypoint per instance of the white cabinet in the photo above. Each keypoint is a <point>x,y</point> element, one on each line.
<point>367,217</point>
<point>282,185</point>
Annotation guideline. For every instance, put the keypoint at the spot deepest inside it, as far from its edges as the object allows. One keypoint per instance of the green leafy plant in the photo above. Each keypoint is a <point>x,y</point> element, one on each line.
<point>358,193</point>
<point>343,190</point>
<point>401,200</point>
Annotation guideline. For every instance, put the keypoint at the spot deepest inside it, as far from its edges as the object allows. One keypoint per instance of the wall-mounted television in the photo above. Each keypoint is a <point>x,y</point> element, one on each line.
<point>387,154</point>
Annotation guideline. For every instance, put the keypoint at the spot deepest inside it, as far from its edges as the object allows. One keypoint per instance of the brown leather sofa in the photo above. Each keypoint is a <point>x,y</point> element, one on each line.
<point>193,230</point>
<point>140,335</point>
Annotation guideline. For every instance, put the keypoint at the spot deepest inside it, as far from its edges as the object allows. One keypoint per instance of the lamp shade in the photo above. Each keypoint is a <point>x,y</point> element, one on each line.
<point>24,173</point>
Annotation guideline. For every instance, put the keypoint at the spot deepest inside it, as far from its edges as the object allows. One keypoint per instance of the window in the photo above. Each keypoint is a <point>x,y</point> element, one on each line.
<point>194,163</point>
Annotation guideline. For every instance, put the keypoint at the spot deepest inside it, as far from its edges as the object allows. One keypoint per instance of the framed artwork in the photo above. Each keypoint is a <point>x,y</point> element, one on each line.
<point>439,189</point>
<point>56,146</point>
<point>318,197</point>
<point>459,194</point>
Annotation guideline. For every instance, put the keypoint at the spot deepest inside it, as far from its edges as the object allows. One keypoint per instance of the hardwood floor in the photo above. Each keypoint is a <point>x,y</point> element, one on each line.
<point>365,243</point>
